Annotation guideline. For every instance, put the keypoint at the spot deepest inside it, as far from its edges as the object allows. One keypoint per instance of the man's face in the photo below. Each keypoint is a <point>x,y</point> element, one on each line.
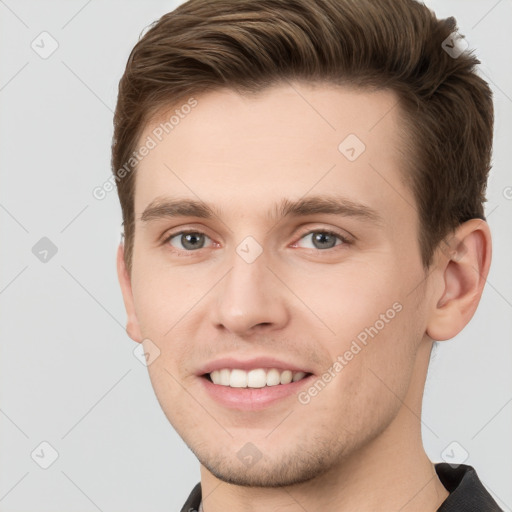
<point>250,289</point>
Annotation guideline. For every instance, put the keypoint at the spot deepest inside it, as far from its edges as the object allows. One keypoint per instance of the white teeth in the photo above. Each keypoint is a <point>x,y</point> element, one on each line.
<point>273,377</point>
<point>215,376</point>
<point>286,377</point>
<point>257,378</point>
<point>297,376</point>
<point>238,379</point>
<point>224,377</point>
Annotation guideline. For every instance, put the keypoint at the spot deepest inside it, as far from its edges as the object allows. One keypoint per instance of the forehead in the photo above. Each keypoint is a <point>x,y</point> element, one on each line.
<point>286,141</point>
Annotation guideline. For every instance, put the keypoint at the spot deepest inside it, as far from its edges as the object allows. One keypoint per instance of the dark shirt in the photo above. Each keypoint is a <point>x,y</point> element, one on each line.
<point>467,494</point>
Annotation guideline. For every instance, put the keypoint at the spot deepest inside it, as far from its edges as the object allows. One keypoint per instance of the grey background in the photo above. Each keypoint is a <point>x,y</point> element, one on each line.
<point>68,373</point>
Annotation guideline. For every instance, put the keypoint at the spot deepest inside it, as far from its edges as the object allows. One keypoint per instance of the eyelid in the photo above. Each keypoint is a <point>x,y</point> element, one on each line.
<point>344,242</point>
<point>345,236</point>
<point>167,238</point>
<point>180,230</point>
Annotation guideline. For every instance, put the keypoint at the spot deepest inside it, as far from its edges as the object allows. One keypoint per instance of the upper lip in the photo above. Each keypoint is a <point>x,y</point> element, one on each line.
<point>250,364</point>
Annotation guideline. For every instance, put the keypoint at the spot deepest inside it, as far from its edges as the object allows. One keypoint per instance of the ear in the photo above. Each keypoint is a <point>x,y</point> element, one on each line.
<point>132,324</point>
<point>464,259</point>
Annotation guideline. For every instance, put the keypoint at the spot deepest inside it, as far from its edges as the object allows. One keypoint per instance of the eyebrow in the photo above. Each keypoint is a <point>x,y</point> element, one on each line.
<point>162,208</point>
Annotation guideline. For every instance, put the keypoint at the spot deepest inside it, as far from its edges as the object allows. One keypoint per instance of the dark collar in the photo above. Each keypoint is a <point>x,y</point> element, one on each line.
<point>467,494</point>
<point>193,501</point>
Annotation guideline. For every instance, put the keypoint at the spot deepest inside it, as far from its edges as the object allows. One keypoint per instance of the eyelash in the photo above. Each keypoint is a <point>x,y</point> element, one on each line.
<point>344,240</point>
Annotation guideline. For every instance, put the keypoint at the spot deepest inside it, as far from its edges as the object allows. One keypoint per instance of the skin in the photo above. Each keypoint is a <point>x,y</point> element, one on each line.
<point>357,444</point>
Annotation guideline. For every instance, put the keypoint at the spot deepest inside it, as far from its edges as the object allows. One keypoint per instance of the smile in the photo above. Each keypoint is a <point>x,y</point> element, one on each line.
<point>256,378</point>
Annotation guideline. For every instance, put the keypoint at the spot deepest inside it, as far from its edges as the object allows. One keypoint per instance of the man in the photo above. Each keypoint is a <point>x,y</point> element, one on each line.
<point>302,186</point>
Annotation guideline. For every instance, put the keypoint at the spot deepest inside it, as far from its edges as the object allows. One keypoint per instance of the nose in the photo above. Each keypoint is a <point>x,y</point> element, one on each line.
<point>250,299</point>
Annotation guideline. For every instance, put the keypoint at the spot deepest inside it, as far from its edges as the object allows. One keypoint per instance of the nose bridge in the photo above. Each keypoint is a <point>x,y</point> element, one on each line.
<point>250,294</point>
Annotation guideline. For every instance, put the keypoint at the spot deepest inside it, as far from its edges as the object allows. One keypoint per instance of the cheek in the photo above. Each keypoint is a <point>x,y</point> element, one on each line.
<point>177,404</point>
<point>369,384</point>
<point>352,301</point>
<point>162,296</point>
<point>376,326</point>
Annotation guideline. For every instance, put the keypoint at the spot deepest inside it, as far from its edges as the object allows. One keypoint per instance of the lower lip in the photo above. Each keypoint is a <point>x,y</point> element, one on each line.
<point>252,399</point>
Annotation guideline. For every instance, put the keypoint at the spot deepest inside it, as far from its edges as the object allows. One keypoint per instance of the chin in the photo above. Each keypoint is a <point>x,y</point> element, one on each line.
<point>274,470</point>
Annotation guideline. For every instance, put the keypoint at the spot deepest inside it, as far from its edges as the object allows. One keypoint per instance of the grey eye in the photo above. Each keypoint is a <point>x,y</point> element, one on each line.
<point>190,241</point>
<point>322,240</point>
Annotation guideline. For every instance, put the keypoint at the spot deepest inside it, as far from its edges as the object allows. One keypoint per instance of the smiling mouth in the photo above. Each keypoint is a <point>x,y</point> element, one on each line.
<point>257,378</point>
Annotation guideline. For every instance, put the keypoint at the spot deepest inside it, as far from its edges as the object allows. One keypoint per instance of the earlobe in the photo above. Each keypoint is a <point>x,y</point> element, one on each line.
<point>466,259</point>
<point>132,323</point>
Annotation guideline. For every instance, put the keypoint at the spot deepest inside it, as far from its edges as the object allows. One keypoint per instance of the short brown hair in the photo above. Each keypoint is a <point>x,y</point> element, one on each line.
<point>248,45</point>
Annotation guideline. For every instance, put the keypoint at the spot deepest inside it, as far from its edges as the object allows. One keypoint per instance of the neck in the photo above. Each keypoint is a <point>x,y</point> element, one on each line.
<point>392,472</point>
